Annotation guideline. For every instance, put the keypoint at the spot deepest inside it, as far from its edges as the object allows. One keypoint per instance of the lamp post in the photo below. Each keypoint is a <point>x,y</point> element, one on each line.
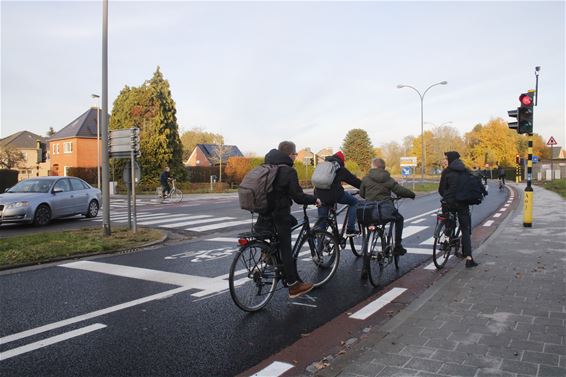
<point>422,124</point>
<point>97,97</point>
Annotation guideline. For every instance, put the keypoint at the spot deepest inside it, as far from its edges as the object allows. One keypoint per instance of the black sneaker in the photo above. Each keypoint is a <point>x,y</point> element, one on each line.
<point>399,250</point>
<point>351,232</point>
<point>471,263</point>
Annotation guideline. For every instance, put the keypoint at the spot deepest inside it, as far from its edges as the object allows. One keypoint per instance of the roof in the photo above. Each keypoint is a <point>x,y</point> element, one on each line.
<point>211,151</point>
<point>84,127</point>
<point>556,151</point>
<point>22,140</point>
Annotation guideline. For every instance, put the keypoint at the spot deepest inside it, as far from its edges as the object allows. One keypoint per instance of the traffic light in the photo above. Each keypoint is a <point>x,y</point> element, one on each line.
<point>312,161</point>
<point>518,159</point>
<point>41,149</point>
<point>513,114</point>
<point>526,113</point>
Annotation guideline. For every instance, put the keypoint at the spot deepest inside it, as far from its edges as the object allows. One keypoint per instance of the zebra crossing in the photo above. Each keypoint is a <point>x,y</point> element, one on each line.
<point>194,223</point>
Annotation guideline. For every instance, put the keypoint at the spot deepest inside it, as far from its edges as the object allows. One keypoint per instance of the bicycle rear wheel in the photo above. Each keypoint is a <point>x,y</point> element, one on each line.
<point>377,260</point>
<point>391,243</point>
<point>357,242</point>
<point>318,258</point>
<point>252,277</point>
<point>441,247</point>
<point>176,195</point>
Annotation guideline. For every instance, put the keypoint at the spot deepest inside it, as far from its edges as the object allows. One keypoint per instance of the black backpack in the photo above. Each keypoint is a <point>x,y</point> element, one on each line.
<point>255,188</point>
<point>470,189</point>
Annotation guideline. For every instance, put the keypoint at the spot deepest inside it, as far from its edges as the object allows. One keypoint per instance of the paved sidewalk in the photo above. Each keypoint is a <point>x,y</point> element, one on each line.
<point>506,317</point>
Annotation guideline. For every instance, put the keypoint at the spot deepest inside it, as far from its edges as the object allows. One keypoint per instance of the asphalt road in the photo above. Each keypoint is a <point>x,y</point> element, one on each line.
<point>165,311</point>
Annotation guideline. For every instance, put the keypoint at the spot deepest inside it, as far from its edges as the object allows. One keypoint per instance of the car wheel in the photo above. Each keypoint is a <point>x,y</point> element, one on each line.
<point>92,209</point>
<point>42,215</point>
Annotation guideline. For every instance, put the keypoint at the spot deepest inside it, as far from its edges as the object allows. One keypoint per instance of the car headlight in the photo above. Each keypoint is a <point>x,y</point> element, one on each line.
<point>17,205</point>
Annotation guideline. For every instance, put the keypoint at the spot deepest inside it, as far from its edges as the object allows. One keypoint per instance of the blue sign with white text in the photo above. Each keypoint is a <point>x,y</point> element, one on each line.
<point>406,170</point>
<point>535,159</point>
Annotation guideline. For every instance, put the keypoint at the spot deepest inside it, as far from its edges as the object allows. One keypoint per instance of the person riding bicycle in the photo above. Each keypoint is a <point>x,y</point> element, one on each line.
<point>449,181</point>
<point>286,189</point>
<point>378,185</point>
<point>337,194</point>
<point>501,175</point>
<point>478,173</point>
<point>164,181</point>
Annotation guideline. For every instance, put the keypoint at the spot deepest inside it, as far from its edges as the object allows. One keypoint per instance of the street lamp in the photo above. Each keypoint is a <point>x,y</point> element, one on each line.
<point>97,97</point>
<point>400,86</point>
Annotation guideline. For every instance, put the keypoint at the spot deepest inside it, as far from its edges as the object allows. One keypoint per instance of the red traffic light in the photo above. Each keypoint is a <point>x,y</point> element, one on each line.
<point>526,99</point>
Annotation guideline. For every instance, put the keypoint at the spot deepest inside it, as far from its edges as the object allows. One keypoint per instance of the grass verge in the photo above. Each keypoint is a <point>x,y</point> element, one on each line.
<point>43,247</point>
<point>558,186</point>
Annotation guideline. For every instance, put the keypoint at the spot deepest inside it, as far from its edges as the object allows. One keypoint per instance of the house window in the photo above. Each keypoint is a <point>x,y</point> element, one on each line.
<point>66,170</point>
<point>68,147</point>
<point>25,154</point>
<point>55,148</point>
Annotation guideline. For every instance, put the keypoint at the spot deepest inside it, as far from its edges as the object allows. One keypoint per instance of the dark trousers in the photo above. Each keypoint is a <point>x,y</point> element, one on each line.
<point>165,189</point>
<point>283,226</point>
<point>345,198</point>
<point>399,219</point>
<point>465,221</point>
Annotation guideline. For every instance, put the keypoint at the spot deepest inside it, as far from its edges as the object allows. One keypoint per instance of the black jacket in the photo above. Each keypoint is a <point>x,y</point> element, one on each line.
<point>331,195</point>
<point>286,187</point>
<point>449,182</point>
<point>164,178</point>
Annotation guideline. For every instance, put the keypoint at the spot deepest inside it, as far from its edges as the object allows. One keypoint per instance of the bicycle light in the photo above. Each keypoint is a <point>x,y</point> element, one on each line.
<point>243,241</point>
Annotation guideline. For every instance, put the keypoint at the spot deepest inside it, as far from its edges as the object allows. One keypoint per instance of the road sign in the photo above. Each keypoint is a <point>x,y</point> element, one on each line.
<point>535,159</point>
<point>127,173</point>
<point>408,161</point>
<point>406,170</point>
<point>551,141</point>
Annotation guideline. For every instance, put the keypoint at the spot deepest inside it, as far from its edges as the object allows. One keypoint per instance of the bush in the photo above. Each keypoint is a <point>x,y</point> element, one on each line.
<point>86,174</point>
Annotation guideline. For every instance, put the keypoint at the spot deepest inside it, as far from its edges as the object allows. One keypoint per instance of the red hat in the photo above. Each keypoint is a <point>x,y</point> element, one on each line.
<point>340,155</point>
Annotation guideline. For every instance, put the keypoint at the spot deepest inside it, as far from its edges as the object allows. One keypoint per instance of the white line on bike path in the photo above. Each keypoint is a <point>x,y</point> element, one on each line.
<point>274,369</point>
<point>374,306</point>
<point>488,223</point>
<point>218,226</point>
<point>49,341</point>
<point>162,221</point>
<point>412,229</point>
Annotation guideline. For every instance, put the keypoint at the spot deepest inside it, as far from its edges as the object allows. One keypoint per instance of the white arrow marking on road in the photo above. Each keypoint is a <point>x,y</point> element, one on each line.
<point>49,341</point>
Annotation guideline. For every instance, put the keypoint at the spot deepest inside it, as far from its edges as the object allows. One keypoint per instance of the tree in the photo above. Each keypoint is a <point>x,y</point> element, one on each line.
<point>357,147</point>
<point>195,136</point>
<point>11,158</point>
<point>493,143</point>
<point>151,108</point>
<point>392,153</point>
<point>51,132</point>
<point>218,156</point>
<point>237,167</point>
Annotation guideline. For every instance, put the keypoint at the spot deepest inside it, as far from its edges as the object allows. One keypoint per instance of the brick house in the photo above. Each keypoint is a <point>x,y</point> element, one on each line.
<point>25,142</point>
<point>75,145</point>
<point>208,155</point>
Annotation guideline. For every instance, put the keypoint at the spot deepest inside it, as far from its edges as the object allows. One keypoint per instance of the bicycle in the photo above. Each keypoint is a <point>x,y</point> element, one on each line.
<point>356,242</point>
<point>174,194</point>
<point>447,236</point>
<point>378,246</point>
<point>259,262</point>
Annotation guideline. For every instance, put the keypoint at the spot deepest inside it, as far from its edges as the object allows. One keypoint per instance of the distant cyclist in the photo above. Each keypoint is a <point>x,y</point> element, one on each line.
<point>164,181</point>
<point>501,175</point>
<point>378,185</point>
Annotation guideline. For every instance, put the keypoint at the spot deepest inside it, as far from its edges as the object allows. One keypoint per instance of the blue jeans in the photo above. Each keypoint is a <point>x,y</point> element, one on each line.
<point>346,198</point>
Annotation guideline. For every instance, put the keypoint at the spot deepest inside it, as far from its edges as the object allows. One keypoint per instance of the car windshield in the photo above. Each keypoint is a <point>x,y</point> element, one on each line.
<point>32,185</point>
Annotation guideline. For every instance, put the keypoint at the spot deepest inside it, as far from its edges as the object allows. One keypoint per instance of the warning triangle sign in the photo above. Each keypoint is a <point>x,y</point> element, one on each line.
<point>551,141</point>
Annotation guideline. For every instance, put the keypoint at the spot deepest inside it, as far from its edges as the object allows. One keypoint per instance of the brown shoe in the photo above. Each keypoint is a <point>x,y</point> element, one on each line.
<point>299,288</point>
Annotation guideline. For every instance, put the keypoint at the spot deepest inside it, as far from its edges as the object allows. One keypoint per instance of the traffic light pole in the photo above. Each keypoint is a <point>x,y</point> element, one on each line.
<point>528,202</point>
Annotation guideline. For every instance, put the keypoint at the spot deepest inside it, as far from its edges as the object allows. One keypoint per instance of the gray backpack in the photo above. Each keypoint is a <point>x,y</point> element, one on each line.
<point>324,174</point>
<point>255,188</point>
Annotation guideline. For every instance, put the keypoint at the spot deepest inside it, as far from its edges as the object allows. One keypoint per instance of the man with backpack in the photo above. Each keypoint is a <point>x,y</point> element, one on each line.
<point>285,190</point>
<point>378,185</point>
<point>334,192</point>
<point>453,187</point>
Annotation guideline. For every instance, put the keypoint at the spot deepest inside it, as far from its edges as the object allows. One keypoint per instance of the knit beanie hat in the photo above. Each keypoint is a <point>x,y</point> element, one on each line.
<point>340,155</point>
<point>451,156</point>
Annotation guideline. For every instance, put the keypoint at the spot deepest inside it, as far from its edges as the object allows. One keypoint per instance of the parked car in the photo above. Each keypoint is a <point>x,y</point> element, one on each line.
<point>41,199</point>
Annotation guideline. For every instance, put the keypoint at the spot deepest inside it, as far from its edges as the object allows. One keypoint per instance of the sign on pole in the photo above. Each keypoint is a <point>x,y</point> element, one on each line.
<point>406,170</point>
<point>408,161</point>
<point>551,141</point>
<point>122,143</point>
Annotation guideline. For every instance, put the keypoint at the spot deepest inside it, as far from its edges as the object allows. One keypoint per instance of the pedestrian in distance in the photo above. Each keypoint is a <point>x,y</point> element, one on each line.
<point>449,183</point>
<point>378,185</point>
<point>286,189</point>
<point>337,194</point>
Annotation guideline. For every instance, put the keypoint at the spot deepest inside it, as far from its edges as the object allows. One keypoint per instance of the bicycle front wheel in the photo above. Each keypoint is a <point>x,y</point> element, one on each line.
<point>252,277</point>
<point>318,257</point>
<point>176,195</point>
<point>377,260</point>
<point>441,247</point>
<point>158,193</point>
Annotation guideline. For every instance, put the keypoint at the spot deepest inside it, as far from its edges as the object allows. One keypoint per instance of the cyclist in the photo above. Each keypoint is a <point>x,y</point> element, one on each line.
<point>378,185</point>
<point>286,188</point>
<point>447,189</point>
<point>478,173</point>
<point>337,194</point>
<point>164,180</point>
<point>501,175</point>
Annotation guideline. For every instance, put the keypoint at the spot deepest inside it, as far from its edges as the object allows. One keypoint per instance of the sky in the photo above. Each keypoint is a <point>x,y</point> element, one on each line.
<point>262,72</point>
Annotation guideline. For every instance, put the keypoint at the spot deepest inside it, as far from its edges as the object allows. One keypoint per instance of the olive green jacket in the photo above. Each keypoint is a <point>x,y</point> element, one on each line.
<point>378,185</point>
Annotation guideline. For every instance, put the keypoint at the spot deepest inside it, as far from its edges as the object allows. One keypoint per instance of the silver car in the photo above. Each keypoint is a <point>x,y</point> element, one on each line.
<point>39,200</point>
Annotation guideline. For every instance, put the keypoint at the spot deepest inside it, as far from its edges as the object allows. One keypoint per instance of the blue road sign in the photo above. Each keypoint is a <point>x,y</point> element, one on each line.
<point>406,170</point>
<point>535,159</point>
